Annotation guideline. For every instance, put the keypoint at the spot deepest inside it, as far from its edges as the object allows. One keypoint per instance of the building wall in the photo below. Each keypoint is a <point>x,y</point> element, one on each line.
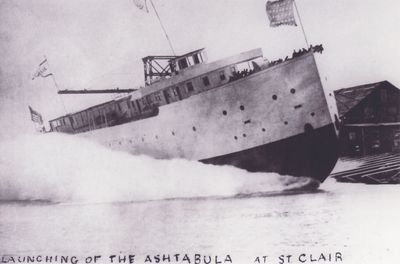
<point>373,125</point>
<point>366,140</point>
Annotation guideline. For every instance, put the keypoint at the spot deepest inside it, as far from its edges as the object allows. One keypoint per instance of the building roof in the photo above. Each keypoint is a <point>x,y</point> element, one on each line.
<point>348,98</point>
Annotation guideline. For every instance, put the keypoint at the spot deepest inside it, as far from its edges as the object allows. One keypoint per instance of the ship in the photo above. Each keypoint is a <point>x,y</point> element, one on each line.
<point>243,110</point>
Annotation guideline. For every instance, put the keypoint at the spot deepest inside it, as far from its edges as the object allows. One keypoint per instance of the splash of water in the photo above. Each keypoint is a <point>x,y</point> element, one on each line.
<point>63,168</point>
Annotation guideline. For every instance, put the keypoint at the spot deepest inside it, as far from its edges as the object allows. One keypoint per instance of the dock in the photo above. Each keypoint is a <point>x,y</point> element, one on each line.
<point>373,169</point>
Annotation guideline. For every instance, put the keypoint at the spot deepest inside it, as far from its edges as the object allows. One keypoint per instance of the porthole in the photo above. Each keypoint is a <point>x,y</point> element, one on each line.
<point>308,128</point>
<point>194,128</point>
<point>292,90</point>
<point>286,122</point>
<point>173,133</point>
<point>224,112</point>
<point>312,114</point>
<point>241,107</point>
<point>235,137</point>
<point>263,129</point>
<point>142,139</point>
<point>244,135</point>
<point>274,97</point>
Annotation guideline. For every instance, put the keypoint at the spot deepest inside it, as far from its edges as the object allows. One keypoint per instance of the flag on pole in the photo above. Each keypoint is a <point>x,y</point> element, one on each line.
<point>281,13</point>
<point>141,4</point>
<point>43,70</point>
<point>35,116</point>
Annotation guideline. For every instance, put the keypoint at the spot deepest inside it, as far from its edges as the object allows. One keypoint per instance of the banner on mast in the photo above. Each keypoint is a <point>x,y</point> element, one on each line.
<point>281,13</point>
<point>42,71</point>
<point>141,4</point>
<point>35,116</point>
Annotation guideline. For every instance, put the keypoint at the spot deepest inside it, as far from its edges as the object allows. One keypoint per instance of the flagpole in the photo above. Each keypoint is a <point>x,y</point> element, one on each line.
<point>305,37</point>
<point>56,86</point>
<point>301,24</point>
<point>162,26</point>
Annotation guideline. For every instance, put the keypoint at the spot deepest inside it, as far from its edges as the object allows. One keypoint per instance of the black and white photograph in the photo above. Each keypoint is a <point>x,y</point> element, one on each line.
<point>199,131</point>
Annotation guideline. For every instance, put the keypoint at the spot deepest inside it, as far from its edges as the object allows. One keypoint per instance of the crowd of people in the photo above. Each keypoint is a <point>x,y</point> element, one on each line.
<point>300,52</point>
<point>240,74</point>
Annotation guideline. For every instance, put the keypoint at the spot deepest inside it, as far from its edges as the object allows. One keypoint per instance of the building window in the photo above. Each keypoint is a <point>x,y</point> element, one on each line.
<point>189,87</point>
<point>222,76</point>
<point>368,113</point>
<point>157,96</point>
<point>183,63</point>
<point>144,101</point>
<point>175,91</point>
<point>206,81</point>
<point>392,110</point>
<point>132,103</point>
<point>85,117</point>
<point>352,136</point>
<point>196,59</point>
<point>149,99</point>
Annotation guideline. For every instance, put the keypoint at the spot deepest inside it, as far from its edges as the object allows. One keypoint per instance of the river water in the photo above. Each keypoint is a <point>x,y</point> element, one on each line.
<point>71,199</point>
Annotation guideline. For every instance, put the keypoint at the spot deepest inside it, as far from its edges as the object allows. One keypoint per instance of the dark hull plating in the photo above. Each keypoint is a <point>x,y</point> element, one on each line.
<point>311,154</point>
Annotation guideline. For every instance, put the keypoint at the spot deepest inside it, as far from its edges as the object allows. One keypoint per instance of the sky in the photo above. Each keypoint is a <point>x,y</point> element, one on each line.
<point>98,44</point>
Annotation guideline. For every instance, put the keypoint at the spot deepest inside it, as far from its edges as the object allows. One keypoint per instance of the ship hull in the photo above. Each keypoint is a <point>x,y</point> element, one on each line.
<point>311,154</point>
<point>276,120</point>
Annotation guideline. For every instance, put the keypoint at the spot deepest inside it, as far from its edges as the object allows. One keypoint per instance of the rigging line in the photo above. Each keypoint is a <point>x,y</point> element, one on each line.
<point>56,86</point>
<point>162,26</point>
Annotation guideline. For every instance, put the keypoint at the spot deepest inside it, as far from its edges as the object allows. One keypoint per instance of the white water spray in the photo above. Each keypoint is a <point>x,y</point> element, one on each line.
<point>64,168</point>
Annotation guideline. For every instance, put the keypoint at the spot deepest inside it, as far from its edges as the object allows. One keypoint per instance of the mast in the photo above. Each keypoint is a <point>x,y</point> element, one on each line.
<point>301,23</point>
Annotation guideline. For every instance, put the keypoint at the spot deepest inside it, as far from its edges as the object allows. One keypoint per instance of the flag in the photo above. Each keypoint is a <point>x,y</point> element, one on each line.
<point>141,4</point>
<point>35,116</point>
<point>281,13</point>
<point>43,70</point>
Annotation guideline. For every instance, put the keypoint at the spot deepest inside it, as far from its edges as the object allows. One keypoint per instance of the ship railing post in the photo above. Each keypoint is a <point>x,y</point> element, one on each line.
<point>94,123</point>
<point>105,117</point>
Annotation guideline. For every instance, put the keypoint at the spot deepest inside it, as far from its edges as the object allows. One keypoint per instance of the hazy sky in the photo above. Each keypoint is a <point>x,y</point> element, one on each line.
<point>99,44</point>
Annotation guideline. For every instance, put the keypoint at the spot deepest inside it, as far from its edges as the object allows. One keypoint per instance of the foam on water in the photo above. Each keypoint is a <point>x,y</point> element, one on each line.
<point>63,168</point>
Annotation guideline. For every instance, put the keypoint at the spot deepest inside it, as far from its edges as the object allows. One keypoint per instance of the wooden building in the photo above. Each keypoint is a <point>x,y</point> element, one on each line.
<point>370,116</point>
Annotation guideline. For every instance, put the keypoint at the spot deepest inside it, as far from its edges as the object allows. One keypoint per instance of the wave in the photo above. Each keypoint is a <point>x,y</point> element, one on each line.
<point>64,168</point>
